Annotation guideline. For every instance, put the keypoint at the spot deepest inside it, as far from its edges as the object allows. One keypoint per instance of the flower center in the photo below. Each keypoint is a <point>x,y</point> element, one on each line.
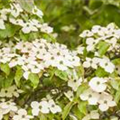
<point>105,101</point>
<point>98,82</point>
<point>75,81</point>
<point>106,64</point>
<point>53,106</point>
<point>23,116</point>
<point>58,53</point>
<point>90,96</point>
<point>61,62</point>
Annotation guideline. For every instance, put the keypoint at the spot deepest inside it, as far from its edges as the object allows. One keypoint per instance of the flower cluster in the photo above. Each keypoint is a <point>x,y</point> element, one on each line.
<point>7,107</point>
<point>96,62</point>
<point>36,56</point>
<point>45,106</point>
<point>19,22</point>
<point>109,34</point>
<point>42,79</point>
<point>9,92</point>
<point>99,54</point>
<point>93,115</point>
<point>15,11</point>
<point>15,113</point>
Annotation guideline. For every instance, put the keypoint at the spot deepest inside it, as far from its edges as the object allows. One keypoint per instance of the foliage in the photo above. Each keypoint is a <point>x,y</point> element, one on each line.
<point>43,79</point>
<point>70,17</point>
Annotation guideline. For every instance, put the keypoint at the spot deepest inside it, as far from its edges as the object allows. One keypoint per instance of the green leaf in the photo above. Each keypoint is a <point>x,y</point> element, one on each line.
<point>1,81</point>
<point>5,2</point>
<point>116,61</point>
<point>9,31</point>
<point>77,113</point>
<point>34,78</point>
<point>8,81</point>
<point>18,76</point>
<point>82,106</point>
<point>95,4</point>
<point>100,72</point>
<point>26,4</point>
<point>117,96</point>
<point>80,71</point>
<point>5,68</point>
<point>42,117</point>
<point>48,37</point>
<point>81,89</point>
<point>6,117</point>
<point>102,47</point>
<point>66,110</point>
<point>47,81</point>
<point>115,84</point>
<point>85,52</point>
<point>24,37</point>
<point>61,74</point>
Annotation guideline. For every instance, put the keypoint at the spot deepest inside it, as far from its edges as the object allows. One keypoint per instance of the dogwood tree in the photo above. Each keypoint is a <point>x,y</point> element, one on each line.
<point>41,79</point>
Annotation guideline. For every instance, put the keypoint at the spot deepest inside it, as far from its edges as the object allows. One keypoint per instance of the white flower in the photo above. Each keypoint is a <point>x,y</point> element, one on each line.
<point>16,10</point>
<point>28,27</point>
<point>91,42</point>
<point>69,94</point>
<point>16,21</point>
<point>101,31</point>
<point>117,33</point>
<point>44,107</point>
<point>37,68</point>
<point>93,115</point>
<point>45,28</point>
<point>107,65</point>
<point>3,13</point>
<point>91,96</point>
<point>37,12</point>
<point>53,107</point>
<point>111,26</point>
<point>96,28</point>
<point>8,106</point>
<point>75,61</point>
<point>59,63</point>
<point>110,29</point>
<point>98,84</point>
<point>10,92</point>
<point>91,62</point>
<point>13,62</point>
<point>22,115</point>
<point>2,25</point>
<point>112,42</point>
<point>105,102</point>
<point>86,33</point>
<point>74,84</point>
<point>4,59</point>
<point>35,23</point>
<point>35,108</point>
<point>80,50</point>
